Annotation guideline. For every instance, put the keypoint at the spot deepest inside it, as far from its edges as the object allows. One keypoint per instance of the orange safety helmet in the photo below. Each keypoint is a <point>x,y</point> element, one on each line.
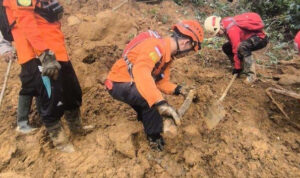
<point>192,29</point>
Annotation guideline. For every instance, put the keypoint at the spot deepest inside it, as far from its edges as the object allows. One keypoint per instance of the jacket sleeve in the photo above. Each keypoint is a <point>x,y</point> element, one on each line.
<point>5,46</point>
<point>234,37</point>
<point>165,85</point>
<point>26,21</point>
<point>143,79</point>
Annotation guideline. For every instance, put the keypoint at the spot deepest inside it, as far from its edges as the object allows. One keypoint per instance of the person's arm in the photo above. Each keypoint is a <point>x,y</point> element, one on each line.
<point>5,46</point>
<point>235,40</point>
<point>164,84</point>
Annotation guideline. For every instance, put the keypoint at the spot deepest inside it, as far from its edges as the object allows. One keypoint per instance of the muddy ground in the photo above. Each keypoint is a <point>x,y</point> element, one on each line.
<point>254,139</point>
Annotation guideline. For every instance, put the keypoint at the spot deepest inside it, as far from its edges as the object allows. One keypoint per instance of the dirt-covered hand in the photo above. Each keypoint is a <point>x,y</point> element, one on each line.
<point>167,110</point>
<point>50,66</point>
<point>9,56</point>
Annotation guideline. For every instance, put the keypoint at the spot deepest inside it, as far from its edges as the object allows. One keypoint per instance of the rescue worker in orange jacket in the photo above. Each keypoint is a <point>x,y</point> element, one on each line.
<point>46,71</point>
<point>139,78</point>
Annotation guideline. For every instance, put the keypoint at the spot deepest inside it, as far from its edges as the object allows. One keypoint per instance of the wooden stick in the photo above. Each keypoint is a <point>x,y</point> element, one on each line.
<point>278,105</point>
<point>120,5</point>
<point>5,81</point>
<point>285,92</point>
<point>228,87</point>
<point>283,112</point>
<point>186,104</point>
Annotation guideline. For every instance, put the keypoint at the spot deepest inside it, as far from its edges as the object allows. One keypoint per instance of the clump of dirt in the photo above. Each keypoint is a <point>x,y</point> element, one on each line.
<point>253,140</point>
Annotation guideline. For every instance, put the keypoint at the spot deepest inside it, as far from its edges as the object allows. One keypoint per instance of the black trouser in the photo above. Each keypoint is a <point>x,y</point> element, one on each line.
<point>246,47</point>
<point>150,117</point>
<point>65,91</point>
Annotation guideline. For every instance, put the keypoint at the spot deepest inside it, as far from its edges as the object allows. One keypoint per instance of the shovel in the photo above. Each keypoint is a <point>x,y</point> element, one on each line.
<point>216,111</point>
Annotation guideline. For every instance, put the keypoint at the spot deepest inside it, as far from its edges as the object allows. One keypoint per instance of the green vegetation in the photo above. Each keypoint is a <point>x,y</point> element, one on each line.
<point>281,18</point>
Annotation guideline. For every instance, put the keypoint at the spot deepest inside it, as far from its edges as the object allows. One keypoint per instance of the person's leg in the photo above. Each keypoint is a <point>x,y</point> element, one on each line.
<point>26,94</point>
<point>245,51</point>
<point>150,117</point>
<point>24,106</point>
<point>50,106</point>
<point>72,98</point>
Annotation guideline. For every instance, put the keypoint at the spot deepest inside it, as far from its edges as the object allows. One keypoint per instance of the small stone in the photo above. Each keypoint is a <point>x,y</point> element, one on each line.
<point>73,20</point>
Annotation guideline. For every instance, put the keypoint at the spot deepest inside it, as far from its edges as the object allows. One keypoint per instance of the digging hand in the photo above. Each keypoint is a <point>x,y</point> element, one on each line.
<point>167,110</point>
<point>50,66</point>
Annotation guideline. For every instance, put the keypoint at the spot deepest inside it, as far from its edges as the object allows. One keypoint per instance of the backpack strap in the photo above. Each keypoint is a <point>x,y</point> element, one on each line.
<point>160,75</point>
<point>152,34</point>
<point>232,23</point>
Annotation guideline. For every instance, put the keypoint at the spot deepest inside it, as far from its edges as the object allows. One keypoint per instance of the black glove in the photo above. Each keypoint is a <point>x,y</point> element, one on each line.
<point>237,71</point>
<point>50,66</point>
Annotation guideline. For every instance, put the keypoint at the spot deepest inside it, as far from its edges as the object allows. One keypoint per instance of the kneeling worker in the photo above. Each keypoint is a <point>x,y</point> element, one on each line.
<point>144,71</point>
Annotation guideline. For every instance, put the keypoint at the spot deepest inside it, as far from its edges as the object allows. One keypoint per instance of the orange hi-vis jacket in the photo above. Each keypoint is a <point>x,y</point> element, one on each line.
<point>148,59</point>
<point>32,33</point>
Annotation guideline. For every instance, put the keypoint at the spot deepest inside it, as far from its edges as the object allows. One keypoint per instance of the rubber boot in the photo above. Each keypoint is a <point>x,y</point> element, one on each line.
<point>249,69</point>
<point>59,138</point>
<point>74,122</point>
<point>24,106</point>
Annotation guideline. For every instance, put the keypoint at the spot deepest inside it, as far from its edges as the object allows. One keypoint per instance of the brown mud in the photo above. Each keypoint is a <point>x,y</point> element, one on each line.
<point>253,140</point>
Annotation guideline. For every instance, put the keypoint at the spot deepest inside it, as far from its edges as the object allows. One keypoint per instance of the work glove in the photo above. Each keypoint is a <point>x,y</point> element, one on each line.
<point>50,66</point>
<point>183,90</point>
<point>9,56</point>
<point>166,110</point>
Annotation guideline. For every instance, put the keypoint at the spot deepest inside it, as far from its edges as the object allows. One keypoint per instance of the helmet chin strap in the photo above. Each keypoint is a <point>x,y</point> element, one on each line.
<point>177,43</point>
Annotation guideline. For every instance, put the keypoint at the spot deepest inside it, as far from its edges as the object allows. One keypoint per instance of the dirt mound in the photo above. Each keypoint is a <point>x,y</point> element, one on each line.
<point>253,140</point>
<point>108,27</point>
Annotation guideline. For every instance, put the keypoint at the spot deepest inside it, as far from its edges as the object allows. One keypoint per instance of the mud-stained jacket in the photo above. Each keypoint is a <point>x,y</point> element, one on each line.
<point>5,46</point>
<point>297,41</point>
<point>148,59</point>
<point>32,33</point>
<point>236,35</point>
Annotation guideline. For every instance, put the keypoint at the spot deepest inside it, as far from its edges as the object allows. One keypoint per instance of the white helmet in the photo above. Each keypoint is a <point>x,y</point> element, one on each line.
<point>212,24</point>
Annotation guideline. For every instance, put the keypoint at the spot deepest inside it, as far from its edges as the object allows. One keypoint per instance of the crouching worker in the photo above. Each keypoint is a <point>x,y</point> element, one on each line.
<point>245,34</point>
<point>46,71</point>
<point>144,71</point>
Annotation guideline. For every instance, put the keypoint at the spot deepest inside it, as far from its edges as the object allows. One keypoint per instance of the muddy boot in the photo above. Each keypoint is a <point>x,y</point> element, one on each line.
<point>74,122</point>
<point>249,69</point>
<point>156,142</point>
<point>24,106</point>
<point>59,138</point>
